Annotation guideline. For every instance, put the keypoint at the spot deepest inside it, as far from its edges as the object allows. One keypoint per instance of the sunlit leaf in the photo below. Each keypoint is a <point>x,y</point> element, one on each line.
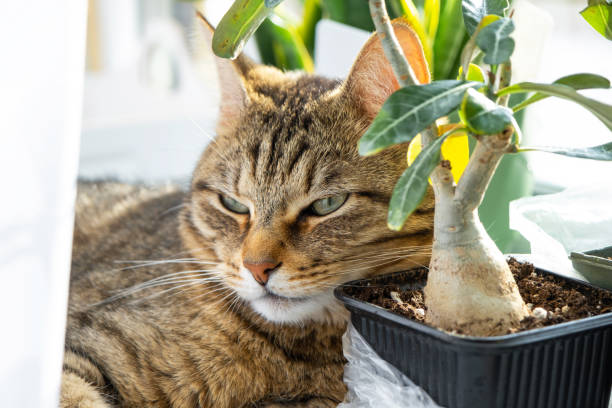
<point>476,10</point>
<point>237,26</point>
<point>483,116</point>
<point>311,16</point>
<point>415,147</point>
<point>412,185</point>
<point>495,41</point>
<point>432,17</point>
<point>455,149</point>
<point>576,81</point>
<point>601,110</point>
<point>599,16</point>
<point>410,110</point>
<point>601,152</point>
<point>475,73</point>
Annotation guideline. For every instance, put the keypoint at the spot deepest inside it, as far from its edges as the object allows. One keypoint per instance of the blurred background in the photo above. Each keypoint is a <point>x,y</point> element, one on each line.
<point>150,94</point>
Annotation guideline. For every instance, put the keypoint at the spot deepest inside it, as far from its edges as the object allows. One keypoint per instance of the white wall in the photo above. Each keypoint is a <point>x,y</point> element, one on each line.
<point>42,51</point>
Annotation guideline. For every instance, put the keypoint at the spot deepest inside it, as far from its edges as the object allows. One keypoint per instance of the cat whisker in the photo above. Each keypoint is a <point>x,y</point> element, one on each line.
<point>189,283</point>
<point>150,260</point>
<point>187,251</point>
<point>175,208</point>
<point>235,301</point>
<point>217,301</point>
<point>211,139</point>
<point>140,287</point>
<point>171,280</point>
<point>387,252</point>
<point>142,264</point>
<point>171,275</point>
<point>374,260</point>
<point>374,264</point>
<point>216,287</point>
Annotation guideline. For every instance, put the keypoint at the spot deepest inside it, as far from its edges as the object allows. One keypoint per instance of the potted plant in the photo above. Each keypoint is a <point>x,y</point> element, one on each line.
<point>470,289</point>
<point>469,352</point>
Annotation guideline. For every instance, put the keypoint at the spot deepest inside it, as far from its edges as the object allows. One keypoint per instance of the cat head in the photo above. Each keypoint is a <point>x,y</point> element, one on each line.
<point>281,199</point>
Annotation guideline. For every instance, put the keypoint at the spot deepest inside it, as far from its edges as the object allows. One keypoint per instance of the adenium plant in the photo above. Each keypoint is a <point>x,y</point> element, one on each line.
<point>470,287</point>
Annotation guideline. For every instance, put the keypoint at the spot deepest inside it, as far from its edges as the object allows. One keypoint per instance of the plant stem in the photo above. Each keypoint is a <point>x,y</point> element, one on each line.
<point>401,68</point>
<point>479,171</point>
<point>505,77</point>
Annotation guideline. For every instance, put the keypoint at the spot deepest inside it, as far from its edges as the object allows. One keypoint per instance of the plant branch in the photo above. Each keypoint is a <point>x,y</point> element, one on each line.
<point>505,75</point>
<point>401,68</point>
<point>480,169</point>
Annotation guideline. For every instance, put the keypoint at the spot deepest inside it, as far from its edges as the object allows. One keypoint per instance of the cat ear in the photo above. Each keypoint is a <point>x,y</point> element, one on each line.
<point>371,79</point>
<point>232,74</point>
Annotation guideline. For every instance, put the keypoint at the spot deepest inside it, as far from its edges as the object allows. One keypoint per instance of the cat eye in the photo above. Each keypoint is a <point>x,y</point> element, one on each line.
<point>233,205</point>
<point>328,205</point>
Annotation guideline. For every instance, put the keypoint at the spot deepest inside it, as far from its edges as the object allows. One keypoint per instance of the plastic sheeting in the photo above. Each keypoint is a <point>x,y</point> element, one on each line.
<point>577,219</point>
<point>374,383</point>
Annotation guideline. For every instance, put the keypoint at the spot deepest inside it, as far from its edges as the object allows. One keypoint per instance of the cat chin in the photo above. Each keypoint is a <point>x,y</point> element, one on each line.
<point>319,308</point>
<point>322,308</point>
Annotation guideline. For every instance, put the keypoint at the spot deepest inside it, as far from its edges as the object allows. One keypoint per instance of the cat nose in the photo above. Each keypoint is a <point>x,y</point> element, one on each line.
<point>261,270</point>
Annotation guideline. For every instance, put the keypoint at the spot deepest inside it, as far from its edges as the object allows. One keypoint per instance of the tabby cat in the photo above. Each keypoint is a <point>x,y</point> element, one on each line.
<point>227,301</point>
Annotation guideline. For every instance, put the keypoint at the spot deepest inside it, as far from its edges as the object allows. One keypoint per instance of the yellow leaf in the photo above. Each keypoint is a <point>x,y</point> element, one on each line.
<point>432,17</point>
<point>475,73</point>
<point>454,149</point>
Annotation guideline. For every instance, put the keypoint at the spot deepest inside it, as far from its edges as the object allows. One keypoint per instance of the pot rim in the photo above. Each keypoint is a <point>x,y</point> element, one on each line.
<point>480,343</point>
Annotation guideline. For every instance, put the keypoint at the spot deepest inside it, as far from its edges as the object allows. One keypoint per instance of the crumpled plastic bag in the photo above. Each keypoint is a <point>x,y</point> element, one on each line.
<point>577,219</point>
<point>374,383</point>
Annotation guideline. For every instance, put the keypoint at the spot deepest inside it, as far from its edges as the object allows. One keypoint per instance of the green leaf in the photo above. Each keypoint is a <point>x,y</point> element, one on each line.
<point>584,81</point>
<point>281,46</point>
<point>476,10</point>
<point>495,41</point>
<point>450,39</point>
<point>576,81</point>
<point>601,110</point>
<point>483,116</point>
<point>412,185</point>
<point>599,16</point>
<point>272,3</point>
<point>410,110</point>
<point>601,152</point>
<point>355,13</point>
<point>237,26</point>
<point>470,47</point>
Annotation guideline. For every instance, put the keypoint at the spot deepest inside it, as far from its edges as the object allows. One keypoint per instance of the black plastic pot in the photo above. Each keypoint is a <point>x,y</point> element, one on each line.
<point>567,365</point>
